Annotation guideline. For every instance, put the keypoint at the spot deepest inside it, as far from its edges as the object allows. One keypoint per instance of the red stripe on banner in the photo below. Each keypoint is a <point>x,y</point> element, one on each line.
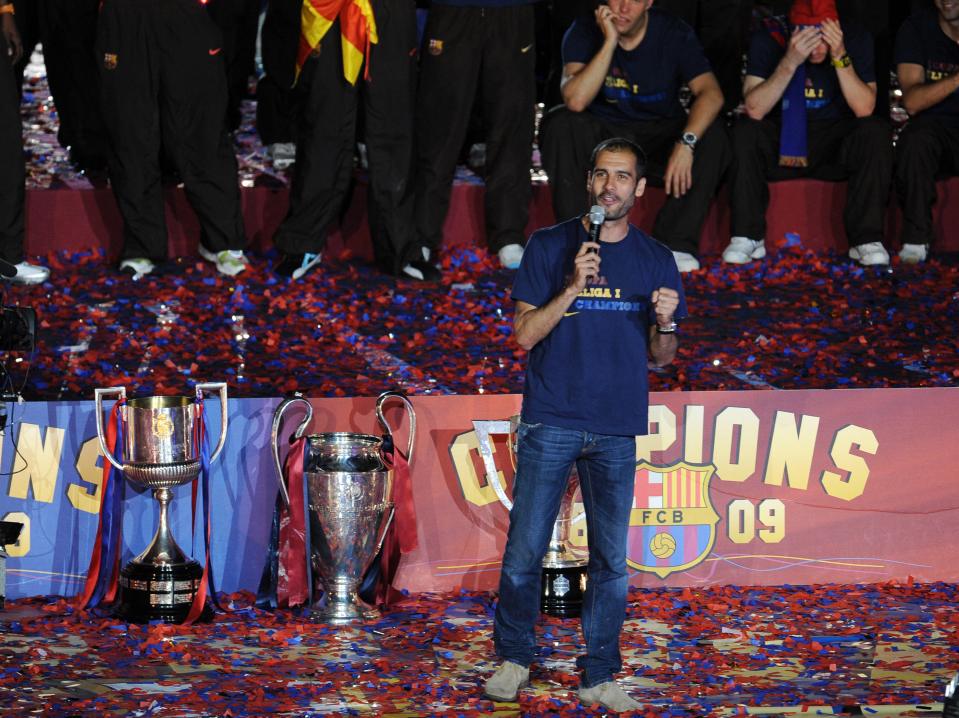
<point>690,543</point>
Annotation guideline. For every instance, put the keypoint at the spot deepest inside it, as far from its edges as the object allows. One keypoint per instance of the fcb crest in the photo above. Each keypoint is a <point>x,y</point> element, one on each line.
<point>672,526</point>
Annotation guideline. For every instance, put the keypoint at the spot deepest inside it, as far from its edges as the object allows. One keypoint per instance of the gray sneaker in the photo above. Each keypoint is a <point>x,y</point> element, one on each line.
<point>610,696</point>
<point>137,266</point>
<point>503,686</point>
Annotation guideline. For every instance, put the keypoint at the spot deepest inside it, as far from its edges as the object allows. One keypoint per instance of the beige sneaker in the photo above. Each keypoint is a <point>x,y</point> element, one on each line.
<point>610,696</point>
<point>503,686</point>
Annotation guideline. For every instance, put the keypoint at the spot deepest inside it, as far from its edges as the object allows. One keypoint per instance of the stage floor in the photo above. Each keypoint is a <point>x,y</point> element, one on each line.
<point>828,650</point>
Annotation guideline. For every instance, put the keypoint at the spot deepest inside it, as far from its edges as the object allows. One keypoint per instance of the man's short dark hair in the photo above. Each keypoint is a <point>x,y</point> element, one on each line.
<point>620,144</point>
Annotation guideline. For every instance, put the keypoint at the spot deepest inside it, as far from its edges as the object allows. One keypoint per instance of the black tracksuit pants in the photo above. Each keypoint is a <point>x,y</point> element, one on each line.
<point>326,139</point>
<point>928,148</point>
<point>12,172</point>
<point>486,54</point>
<point>857,150</point>
<point>568,141</point>
<point>162,75</point>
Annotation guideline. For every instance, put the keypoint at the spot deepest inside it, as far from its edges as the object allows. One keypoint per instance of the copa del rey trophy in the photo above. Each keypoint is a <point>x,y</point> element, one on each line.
<point>564,565</point>
<point>160,451</point>
<point>350,505</point>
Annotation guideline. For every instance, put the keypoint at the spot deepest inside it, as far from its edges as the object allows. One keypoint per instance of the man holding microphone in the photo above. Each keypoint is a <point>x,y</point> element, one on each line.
<point>589,313</point>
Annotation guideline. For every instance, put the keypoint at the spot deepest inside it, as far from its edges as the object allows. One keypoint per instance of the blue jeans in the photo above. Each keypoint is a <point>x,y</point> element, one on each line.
<point>606,467</point>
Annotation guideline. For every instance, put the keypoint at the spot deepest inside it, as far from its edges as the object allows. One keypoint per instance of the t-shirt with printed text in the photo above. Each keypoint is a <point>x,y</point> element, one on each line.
<point>590,372</point>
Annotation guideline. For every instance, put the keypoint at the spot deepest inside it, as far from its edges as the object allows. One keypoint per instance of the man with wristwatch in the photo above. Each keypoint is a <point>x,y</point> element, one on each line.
<point>591,314</point>
<point>623,70</point>
<point>809,94</point>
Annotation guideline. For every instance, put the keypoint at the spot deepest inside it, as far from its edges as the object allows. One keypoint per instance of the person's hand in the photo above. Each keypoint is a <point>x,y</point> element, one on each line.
<point>832,34</point>
<point>801,45</point>
<point>12,36</point>
<point>665,301</point>
<point>585,266</point>
<point>679,171</point>
<point>604,18</point>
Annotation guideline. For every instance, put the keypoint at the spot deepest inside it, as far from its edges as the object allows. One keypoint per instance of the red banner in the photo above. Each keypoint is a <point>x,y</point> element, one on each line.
<point>753,488</point>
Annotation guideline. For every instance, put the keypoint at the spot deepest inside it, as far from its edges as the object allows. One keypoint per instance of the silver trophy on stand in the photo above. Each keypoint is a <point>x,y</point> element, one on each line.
<point>160,452</point>
<point>564,565</point>
<point>349,488</point>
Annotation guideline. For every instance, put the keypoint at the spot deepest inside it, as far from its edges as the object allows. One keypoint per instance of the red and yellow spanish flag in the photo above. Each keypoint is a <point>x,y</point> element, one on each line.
<point>357,32</point>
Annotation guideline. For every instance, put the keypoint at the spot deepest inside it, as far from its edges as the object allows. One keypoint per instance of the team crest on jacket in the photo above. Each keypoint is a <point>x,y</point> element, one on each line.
<point>435,47</point>
<point>110,61</point>
<point>672,526</point>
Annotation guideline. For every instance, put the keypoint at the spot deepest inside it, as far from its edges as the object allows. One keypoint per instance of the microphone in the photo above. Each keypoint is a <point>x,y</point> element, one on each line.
<point>597,215</point>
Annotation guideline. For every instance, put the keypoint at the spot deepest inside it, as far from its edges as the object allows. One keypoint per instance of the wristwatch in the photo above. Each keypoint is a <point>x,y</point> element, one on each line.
<point>689,139</point>
<point>668,329</point>
<point>844,61</point>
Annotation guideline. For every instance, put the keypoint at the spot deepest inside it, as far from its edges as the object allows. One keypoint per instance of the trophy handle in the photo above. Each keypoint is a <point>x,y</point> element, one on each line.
<point>297,398</point>
<point>385,397</point>
<point>98,394</point>
<point>220,388</point>
<point>483,429</point>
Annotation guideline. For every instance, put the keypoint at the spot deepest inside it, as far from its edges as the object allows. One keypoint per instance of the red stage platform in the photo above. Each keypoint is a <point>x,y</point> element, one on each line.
<point>76,219</point>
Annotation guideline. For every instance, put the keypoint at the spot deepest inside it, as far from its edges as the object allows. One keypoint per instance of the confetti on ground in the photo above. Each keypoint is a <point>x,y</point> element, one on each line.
<point>727,651</point>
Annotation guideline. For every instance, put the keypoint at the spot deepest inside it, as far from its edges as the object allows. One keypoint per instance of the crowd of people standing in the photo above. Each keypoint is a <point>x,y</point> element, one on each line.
<point>141,87</point>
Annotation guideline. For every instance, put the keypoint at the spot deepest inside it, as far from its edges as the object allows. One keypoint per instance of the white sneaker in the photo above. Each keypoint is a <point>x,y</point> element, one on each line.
<point>742,250</point>
<point>283,154</point>
<point>30,274</point>
<point>137,266</point>
<point>914,253</point>
<point>510,256</point>
<point>686,262</point>
<point>228,261</point>
<point>869,254</point>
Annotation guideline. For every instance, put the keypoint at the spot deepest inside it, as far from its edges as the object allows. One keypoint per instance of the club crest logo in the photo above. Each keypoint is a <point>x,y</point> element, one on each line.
<point>672,526</point>
<point>110,61</point>
<point>435,47</point>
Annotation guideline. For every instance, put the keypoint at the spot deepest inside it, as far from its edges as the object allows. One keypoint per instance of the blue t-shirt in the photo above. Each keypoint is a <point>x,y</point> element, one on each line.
<point>824,99</point>
<point>590,372</point>
<point>922,42</point>
<point>642,83</point>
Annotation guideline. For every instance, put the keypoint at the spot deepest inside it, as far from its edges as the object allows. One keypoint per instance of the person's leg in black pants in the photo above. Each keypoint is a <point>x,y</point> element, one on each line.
<point>12,173</point>
<point>129,85</point>
<point>867,156</point>
<point>326,133</point>
<point>449,75</point>
<point>192,105</point>
<point>567,141</point>
<point>388,104</point>
<point>927,148</point>
<point>68,33</point>
<point>508,95</point>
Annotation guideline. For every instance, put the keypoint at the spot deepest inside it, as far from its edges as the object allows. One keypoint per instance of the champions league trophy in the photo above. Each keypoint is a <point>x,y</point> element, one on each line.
<point>160,451</point>
<point>564,565</point>
<point>349,488</point>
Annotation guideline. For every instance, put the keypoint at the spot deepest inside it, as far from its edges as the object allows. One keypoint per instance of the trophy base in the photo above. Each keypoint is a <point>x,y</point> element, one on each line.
<point>340,613</point>
<point>159,593</point>
<point>562,591</point>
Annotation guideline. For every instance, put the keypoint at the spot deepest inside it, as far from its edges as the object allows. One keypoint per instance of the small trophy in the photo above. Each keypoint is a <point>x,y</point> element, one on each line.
<point>564,565</point>
<point>160,451</point>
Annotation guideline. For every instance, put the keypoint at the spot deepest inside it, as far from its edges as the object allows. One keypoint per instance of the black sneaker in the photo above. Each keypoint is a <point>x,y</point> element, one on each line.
<point>295,266</point>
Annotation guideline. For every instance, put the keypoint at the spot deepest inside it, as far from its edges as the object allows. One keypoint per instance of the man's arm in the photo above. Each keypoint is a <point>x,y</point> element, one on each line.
<point>582,82</point>
<point>662,347</point>
<point>531,324</point>
<point>760,95</point>
<point>707,102</point>
<point>919,95</point>
<point>859,95</point>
